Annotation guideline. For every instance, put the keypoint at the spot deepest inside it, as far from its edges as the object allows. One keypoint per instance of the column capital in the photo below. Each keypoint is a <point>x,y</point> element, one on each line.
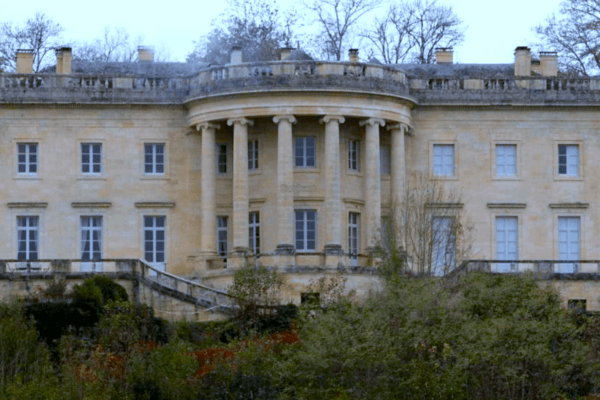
<point>290,118</point>
<point>207,125</point>
<point>372,121</point>
<point>328,118</point>
<point>241,121</point>
<point>400,126</point>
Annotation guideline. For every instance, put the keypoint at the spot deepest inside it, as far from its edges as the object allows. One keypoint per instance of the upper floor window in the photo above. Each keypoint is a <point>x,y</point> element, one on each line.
<point>91,238</point>
<point>305,152</point>
<point>252,155</point>
<point>506,160</point>
<point>27,238</point>
<point>353,155</point>
<point>27,154</point>
<point>443,159</point>
<point>221,158</point>
<point>568,160</point>
<point>254,232</point>
<point>306,230</point>
<point>154,158</point>
<point>91,158</point>
<point>384,160</point>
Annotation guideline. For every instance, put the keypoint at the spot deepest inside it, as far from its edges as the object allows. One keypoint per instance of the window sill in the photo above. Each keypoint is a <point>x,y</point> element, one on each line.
<point>28,177</point>
<point>306,170</point>
<point>567,178</point>
<point>350,172</point>
<point>443,178</point>
<point>506,178</point>
<point>255,172</point>
<point>91,178</point>
<point>155,177</point>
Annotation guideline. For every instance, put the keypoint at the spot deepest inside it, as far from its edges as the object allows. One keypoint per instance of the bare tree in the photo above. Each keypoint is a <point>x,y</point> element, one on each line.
<point>412,29</point>
<point>255,25</point>
<point>429,226</point>
<point>40,34</point>
<point>575,35</point>
<point>336,20</point>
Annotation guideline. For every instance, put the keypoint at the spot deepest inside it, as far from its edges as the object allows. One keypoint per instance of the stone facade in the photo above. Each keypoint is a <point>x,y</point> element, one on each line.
<point>237,145</point>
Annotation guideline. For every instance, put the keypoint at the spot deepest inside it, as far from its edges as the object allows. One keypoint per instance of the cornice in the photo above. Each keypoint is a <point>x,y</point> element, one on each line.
<point>91,204</point>
<point>155,204</point>
<point>27,204</point>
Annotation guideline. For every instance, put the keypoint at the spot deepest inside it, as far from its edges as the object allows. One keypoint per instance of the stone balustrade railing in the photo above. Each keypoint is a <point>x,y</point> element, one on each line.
<point>541,266</point>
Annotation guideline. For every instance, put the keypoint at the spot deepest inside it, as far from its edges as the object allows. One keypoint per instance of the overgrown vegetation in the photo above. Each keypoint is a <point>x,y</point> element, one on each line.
<point>479,336</point>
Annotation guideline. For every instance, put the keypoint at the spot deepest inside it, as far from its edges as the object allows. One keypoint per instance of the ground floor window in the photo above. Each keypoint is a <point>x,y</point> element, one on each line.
<point>91,238</point>
<point>254,232</point>
<point>568,243</point>
<point>222,230</point>
<point>306,230</point>
<point>27,238</point>
<point>155,240</point>
<point>353,237</point>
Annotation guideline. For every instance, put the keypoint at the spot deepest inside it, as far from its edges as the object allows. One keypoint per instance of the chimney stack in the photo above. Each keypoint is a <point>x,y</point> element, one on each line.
<point>64,60</point>
<point>24,61</point>
<point>444,55</point>
<point>353,55</point>
<point>285,52</point>
<point>522,61</point>
<point>236,55</point>
<point>145,54</point>
<point>549,63</point>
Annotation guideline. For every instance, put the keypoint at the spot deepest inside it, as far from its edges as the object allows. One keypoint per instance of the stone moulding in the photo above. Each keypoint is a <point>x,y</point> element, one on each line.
<point>257,200</point>
<point>569,205</point>
<point>507,205</point>
<point>155,204</point>
<point>354,201</point>
<point>444,205</point>
<point>309,198</point>
<point>27,204</point>
<point>91,204</point>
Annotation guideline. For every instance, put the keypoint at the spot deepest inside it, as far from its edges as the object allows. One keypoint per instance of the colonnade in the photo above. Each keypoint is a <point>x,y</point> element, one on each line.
<point>333,203</point>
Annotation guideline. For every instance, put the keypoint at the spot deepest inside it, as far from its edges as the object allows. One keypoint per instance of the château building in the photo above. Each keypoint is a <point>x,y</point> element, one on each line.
<point>199,169</point>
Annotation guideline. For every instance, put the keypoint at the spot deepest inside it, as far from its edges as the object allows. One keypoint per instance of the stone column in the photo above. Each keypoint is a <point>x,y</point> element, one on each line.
<point>397,164</point>
<point>333,202</point>
<point>372,221</point>
<point>285,189</point>
<point>240,185</point>
<point>209,204</point>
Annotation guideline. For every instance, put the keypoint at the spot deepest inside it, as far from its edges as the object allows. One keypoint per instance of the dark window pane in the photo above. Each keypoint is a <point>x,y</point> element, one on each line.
<point>85,168</point>
<point>148,246</point>
<point>32,168</point>
<point>148,149</point>
<point>22,158</point>
<point>148,222</point>
<point>21,148</point>
<point>160,168</point>
<point>148,168</point>
<point>96,168</point>
<point>85,159</point>
<point>160,221</point>
<point>148,256</point>
<point>160,149</point>
<point>299,162</point>
<point>33,148</point>
<point>96,158</point>
<point>160,246</point>
<point>310,162</point>
<point>160,159</point>
<point>562,169</point>
<point>32,158</point>
<point>148,159</point>
<point>22,168</point>
<point>160,257</point>
<point>85,148</point>
<point>562,149</point>
<point>148,235</point>
<point>33,255</point>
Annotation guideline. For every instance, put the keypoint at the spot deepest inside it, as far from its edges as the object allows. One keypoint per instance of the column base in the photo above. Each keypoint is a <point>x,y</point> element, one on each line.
<point>285,255</point>
<point>334,255</point>
<point>238,258</point>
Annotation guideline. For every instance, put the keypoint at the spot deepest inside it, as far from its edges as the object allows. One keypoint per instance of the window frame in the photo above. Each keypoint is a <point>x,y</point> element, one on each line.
<point>37,240</point>
<point>389,149</point>
<point>154,155</point>
<point>358,152</point>
<point>218,241</point>
<point>227,157</point>
<point>257,162</point>
<point>27,175</point>
<point>90,163</point>
<point>581,160</point>
<point>432,174</point>
<point>566,212</point>
<point>452,238</point>
<point>304,167</point>
<point>102,237</point>
<point>354,226</point>
<point>142,159</point>
<point>518,242</point>
<point>165,229</point>
<point>518,164</point>
<point>254,232</point>
<point>306,210</point>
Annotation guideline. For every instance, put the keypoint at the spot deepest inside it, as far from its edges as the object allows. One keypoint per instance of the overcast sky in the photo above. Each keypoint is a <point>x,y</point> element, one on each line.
<point>495,28</point>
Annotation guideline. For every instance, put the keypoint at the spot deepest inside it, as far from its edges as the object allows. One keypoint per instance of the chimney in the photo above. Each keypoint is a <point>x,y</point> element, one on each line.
<point>145,54</point>
<point>522,61</point>
<point>236,55</point>
<point>64,59</point>
<point>353,55</point>
<point>285,52</point>
<point>24,61</point>
<point>548,63</point>
<point>443,55</point>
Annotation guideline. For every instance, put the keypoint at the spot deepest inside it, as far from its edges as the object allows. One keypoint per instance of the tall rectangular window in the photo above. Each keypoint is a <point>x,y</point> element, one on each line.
<point>353,237</point>
<point>506,242</point>
<point>305,152</point>
<point>568,160</point>
<point>568,242</point>
<point>443,159</point>
<point>353,155</point>
<point>221,158</point>
<point>27,238</point>
<point>154,158</point>
<point>384,160</point>
<point>27,158</point>
<point>306,230</point>
<point>506,160</point>
<point>91,238</point>
<point>222,230</point>
<point>252,155</point>
<point>254,232</point>
<point>91,158</point>
<point>155,240</point>
<point>443,245</point>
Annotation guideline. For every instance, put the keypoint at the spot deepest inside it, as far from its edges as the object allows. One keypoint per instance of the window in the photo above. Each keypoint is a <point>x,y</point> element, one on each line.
<point>443,159</point>
<point>155,241</point>
<point>353,237</point>
<point>222,236</point>
<point>91,238</point>
<point>221,158</point>
<point>353,155</point>
<point>154,158</point>
<point>443,245</point>
<point>304,151</point>
<point>27,154</point>
<point>254,232</point>
<point>506,160</point>
<point>384,160</point>
<point>306,230</point>
<point>252,155</point>
<point>91,158</point>
<point>568,160</point>
<point>506,242</point>
<point>27,238</point>
<point>568,243</point>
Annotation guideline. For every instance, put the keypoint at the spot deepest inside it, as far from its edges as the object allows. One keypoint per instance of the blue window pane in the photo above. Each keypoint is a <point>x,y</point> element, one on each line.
<point>148,235</point>
<point>160,221</point>
<point>148,149</point>
<point>148,256</point>
<point>33,255</point>
<point>299,244</point>
<point>21,148</point>
<point>310,245</point>
<point>148,168</point>
<point>310,235</point>
<point>85,159</point>
<point>97,169</point>
<point>160,149</point>
<point>148,159</point>
<point>32,148</point>
<point>22,158</point>
<point>96,158</point>
<point>32,168</point>
<point>310,162</point>
<point>160,235</point>
<point>96,246</point>
<point>299,162</point>
<point>160,168</point>
<point>22,168</point>
<point>310,152</point>
<point>32,158</point>
<point>160,159</point>
<point>160,246</point>
<point>148,222</point>
<point>85,168</point>
<point>85,148</point>
<point>160,257</point>
<point>148,246</point>
<point>96,149</point>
